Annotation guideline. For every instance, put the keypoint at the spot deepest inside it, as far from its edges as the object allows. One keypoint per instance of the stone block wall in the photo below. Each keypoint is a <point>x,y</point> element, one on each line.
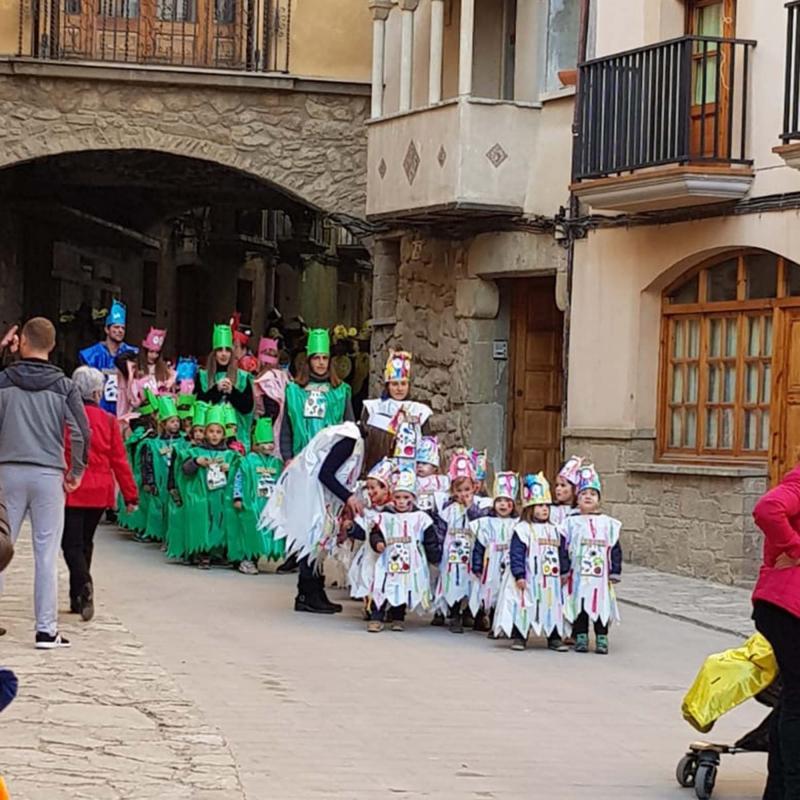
<point>680,519</point>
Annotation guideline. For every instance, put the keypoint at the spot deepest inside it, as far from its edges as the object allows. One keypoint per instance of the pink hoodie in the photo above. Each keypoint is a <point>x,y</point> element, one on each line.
<point>272,384</point>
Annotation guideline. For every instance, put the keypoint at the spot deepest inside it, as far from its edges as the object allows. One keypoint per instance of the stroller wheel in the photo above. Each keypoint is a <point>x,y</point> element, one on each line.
<point>704,781</point>
<point>687,767</point>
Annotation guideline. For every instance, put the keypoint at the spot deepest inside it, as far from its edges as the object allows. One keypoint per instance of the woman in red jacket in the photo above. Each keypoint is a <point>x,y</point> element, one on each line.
<point>97,492</point>
<point>776,611</point>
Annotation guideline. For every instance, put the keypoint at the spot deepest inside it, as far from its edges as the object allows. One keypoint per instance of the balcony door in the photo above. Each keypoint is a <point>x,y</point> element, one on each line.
<point>712,73</point>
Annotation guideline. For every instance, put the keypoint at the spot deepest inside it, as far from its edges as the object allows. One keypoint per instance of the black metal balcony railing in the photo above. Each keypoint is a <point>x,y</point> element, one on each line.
<point>678,102</point>
<point>791,103</point>
<point>213,34</point>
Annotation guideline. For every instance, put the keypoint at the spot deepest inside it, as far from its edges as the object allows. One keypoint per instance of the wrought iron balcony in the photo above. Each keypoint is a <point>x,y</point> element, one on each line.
<point>680,103</point>
<point>791,106</point>
<point>212,34</point>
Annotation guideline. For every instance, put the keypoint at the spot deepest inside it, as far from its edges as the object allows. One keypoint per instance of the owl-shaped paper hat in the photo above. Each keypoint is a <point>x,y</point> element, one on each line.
<point>589,479</point>
<point>405,479</point>
<point>398,366</point>
<point>571,470</point>
<point>506,484</point>
<point>428,450</point>
<point>154,340</point>
<point>461,466</point>
<point>383,471</point>
<point>536,490</point>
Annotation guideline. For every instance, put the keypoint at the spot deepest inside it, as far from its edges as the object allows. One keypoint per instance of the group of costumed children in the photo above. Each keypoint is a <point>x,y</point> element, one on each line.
<point>201,488</point>
<point>429,541</point>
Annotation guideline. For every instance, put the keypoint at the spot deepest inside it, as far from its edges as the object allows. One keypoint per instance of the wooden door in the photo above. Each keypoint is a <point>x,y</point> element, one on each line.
<point>785,405</point>
<point>711,76</point>
<point>536,378</point>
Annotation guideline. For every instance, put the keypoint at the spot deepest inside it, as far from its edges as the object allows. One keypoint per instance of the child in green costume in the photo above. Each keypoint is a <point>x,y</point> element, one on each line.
<point>206,489</point>
<point>255,479</point>
<point>157,454</point>
<point>186,404</point>
<point>232,430</point>
<point>143,428</point>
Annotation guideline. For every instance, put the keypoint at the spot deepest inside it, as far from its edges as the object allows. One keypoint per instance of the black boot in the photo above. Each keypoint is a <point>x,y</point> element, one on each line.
<point>87,603</point>
<point>290,565</point>
<point>308,598</point>
<point>335,608</point>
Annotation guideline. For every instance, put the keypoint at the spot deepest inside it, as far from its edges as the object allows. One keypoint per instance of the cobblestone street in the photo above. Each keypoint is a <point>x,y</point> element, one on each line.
<point>207,686</point>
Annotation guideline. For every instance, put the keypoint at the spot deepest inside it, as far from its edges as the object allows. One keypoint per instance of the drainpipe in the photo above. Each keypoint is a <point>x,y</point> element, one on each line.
<point>574,208</point>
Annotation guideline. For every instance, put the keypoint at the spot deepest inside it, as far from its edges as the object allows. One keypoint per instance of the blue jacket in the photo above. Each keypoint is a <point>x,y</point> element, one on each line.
<point>479,551</point>
<point>518,558</point>
<point>430,541</point>
<point>8,687</point>
<point>100,357</point>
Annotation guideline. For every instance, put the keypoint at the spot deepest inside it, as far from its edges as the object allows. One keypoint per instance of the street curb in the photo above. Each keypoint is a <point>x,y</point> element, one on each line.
<point>683,618</point>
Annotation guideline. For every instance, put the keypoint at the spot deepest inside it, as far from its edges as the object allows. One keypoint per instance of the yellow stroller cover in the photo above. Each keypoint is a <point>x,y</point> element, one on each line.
<point>728,679</point>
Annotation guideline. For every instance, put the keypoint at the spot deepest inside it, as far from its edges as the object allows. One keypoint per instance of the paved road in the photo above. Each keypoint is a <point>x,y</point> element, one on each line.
<point>315,707</point>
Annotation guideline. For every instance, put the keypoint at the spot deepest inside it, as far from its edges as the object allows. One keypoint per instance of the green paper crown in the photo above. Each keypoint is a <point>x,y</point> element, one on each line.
<point>263,432</point>
<point>150,404</point>
<point>223,337</point>
<point>319,342</point>
<point>216,416</point>
<point>230,415</point>
<point>186,405</point>
<point>166,408</point>
<point>199,416</point>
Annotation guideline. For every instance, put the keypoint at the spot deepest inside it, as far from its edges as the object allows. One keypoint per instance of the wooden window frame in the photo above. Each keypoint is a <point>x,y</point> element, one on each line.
<point>705,310</point>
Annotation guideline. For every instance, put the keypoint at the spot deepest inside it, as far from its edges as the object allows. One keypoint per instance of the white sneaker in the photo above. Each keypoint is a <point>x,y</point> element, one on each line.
<point>44,641</point>
<point>248,568</point>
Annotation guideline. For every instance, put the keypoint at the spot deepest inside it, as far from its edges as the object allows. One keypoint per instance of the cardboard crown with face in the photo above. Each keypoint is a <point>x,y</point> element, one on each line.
<point>154,340</point>
<point>398,366</point>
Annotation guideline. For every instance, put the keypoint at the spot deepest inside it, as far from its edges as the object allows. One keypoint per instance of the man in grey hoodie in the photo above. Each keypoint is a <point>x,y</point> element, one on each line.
<point>37,404</point>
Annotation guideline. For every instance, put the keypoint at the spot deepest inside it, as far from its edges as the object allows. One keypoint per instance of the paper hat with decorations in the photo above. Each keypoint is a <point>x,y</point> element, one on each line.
<point>461,466</point>
<point>222,338</point>
<point>428,450</point>
<point>383,471</point>
<point>241,333</point>
<point>589,479</point>
<point>215,416</point>
<point>186,405</point>
<point>480,463</point>
<point>150,404</point>
<point>570,472</point>
<point>506,484</point>
<point>405,480</point>
<point>263,431</point>
<point>229,414</point>
<point>398,366</point>
<point>117,315</point>
<point>319,342</point>
<point>186,369</point>
<point>268,350</point>
<point>166,408</point>
<point>154,340</point>
<point>199,415</point>
<point>536,490</point>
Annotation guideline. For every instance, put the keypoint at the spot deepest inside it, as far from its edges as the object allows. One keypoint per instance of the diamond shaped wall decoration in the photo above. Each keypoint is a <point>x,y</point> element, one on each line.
<point>411,162</point>
<point>497,155</point>
<point>442,156</point>
<point>382,169</point>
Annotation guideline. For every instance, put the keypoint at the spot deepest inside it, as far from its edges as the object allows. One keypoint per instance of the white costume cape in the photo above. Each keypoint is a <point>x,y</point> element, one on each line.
<point>381,413</point>
<point>362,569</point>
<point>590,538</point>
<point>541,606</point>
<point>432,492</point>
<point>301,509</point>
<point>455,571</point>
<point>401,571</point>
<point>494,533</point>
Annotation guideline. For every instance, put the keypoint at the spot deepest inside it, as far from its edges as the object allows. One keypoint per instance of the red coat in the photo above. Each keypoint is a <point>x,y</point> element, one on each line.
<point>777,513</point>
<point>107,462</point>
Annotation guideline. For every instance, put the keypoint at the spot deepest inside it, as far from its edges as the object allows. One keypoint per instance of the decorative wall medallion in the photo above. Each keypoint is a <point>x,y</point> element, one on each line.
<point>382,169</point>
<point>411,162</point>
<point>442,156</point>
<point>497,155</point>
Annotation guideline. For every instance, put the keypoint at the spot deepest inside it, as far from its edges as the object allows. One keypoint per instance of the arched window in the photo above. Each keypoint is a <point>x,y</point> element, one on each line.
<point>718,345</point>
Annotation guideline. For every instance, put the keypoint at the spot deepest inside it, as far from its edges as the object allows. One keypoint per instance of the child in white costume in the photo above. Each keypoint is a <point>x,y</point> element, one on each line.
<point>455,570</point>
<point>490,548</point>
<point>405,542</point>
<point>565,490</point>
<point>532,595</point>
<point>596,564</point>
<point>379,496</point>
<point>432,486</point>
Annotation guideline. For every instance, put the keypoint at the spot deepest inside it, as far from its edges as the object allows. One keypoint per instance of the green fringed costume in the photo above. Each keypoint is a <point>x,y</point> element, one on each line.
<point>175,536</point>
<point>314,407</point>
<point>158,453</point>
<point>244,383</point>
<point>135,521</point>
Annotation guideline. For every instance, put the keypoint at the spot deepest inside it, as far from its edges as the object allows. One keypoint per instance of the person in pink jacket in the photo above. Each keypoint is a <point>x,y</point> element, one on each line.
<point>776,612</point>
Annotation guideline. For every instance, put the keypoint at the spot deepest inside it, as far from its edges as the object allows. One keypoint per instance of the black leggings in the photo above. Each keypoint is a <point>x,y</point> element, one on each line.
<point>782,630</point>
<point>78,546</point>
<point>582,626</point>
<point>390,613</point>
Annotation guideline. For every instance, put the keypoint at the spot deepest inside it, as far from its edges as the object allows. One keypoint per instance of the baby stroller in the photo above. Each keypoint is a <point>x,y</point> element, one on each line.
<point>725,681</point>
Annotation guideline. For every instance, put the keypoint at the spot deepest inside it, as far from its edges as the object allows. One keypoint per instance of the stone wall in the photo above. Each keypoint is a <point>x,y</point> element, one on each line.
<point>694,521</point>
<point>448,321</point>
<point>311,145</point>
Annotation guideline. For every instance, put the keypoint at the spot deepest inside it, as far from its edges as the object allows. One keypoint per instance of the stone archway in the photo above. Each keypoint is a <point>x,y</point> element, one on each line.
<point>312,146</point>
